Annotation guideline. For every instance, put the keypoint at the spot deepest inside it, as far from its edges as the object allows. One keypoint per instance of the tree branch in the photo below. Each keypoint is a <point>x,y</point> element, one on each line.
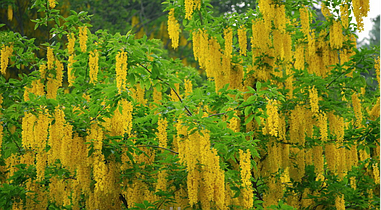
<point>123,199</point>
<point>154,146</point>
<point>189,113</point>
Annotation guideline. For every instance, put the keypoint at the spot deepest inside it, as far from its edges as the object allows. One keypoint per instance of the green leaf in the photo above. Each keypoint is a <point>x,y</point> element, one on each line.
<point>249,119</point>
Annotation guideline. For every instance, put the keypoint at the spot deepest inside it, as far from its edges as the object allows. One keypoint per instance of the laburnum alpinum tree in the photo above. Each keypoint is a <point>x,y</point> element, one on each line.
<point>285,119</point>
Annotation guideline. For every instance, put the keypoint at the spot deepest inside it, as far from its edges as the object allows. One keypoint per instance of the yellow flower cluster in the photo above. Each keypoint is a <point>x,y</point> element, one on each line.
<point>68,147</point>
<point>1,124</point>
<point>6,51</point>
<point>325,10</point>
<point>376,173</point>
<point>121,71</point>
<point>336,126</point>
<point>305,20</point>
<point>40,136</point>
<point>157,96</point>
<point>272,122</point>
<point>83,38</point>
<point>299,57</point>
<point>59,73</point>
<point>267,9</point>
<point>173,28</point>
<point>70,73</point>
<point>51,87</point>
<point>52,4</point>
<point>322,121</point>
<point>138,93</point>
<point>56,135</point>
<point>242,40</point>
<point>374,113</point>
<point>37,89</point>
<point>188,87</point>
<point>360,10</point>
<point>245,166</point>
<point>121,122</point>
<point>10,12</point>
<point>339,202</point>
<point>336,36</point>
<point>190,7</point>
<point>357,109</point>
<point>71,43</point>
<point>260,39</point>
<point>162,139</point>
<point>314,100</point>
<point>200,47</point>
<point>280,20</point>
<point>228,37</point>
<point>377,67</point>
<point>50,58</point>
<point>344,15</point>
<point>234,123</point>
<point>93,65</point>
<point>162,132</point>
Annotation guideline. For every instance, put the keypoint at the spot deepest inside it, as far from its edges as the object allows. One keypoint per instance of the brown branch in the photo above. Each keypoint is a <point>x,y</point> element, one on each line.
<point>189,113</point>
<point>123,199</point>
<point>154,146</point>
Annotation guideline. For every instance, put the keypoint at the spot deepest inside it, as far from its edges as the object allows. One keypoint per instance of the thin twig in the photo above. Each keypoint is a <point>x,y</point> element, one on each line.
<point>199,14</point>
<point>178,96</point>
<point>335,79</point>
<point>154,146</point>
<point>123,199</point>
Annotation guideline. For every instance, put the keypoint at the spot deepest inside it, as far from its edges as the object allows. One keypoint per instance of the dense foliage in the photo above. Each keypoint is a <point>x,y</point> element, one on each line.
<point>285,120</point>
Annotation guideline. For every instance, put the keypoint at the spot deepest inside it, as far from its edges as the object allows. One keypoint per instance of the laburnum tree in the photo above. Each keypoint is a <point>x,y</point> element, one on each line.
<point>285,119</point>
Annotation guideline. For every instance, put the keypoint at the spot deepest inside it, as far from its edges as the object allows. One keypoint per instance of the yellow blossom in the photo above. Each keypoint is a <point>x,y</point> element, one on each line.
<point>280,20</point>
<point>173,28</point>
<point>40,136</point>
<point>59,72</point>
<point>70,73</point>
<point>245,166</point>
<point>299,57</point>
<point>377,67</point>
<point>10,12</point>
<point>157,96</point>
<point>42,71</point>
<point>190,7</point>
<point>305,20</point>
<point>360,10</point>
<point>56,135</point>
<point>50,58</point>
<point>376,173</point>
<point>228,37</point>
<point>121,70</point>
<point>357,109</point>
<point>162,132</point>
<point>83,38</point>
<point>188,87</point>
<point>314,100</point>
<point>344,15</point>
<point>52,86</point>
<point>138,93</point>
<point>6,51</point>
<point>242,40</point>
<point>71,43</point>
<point>52,4</point>
<point>322,122</point>
<point>93,65</point>
<point>272,122</point>
<point>336,35</point>
<point>339,202</point>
